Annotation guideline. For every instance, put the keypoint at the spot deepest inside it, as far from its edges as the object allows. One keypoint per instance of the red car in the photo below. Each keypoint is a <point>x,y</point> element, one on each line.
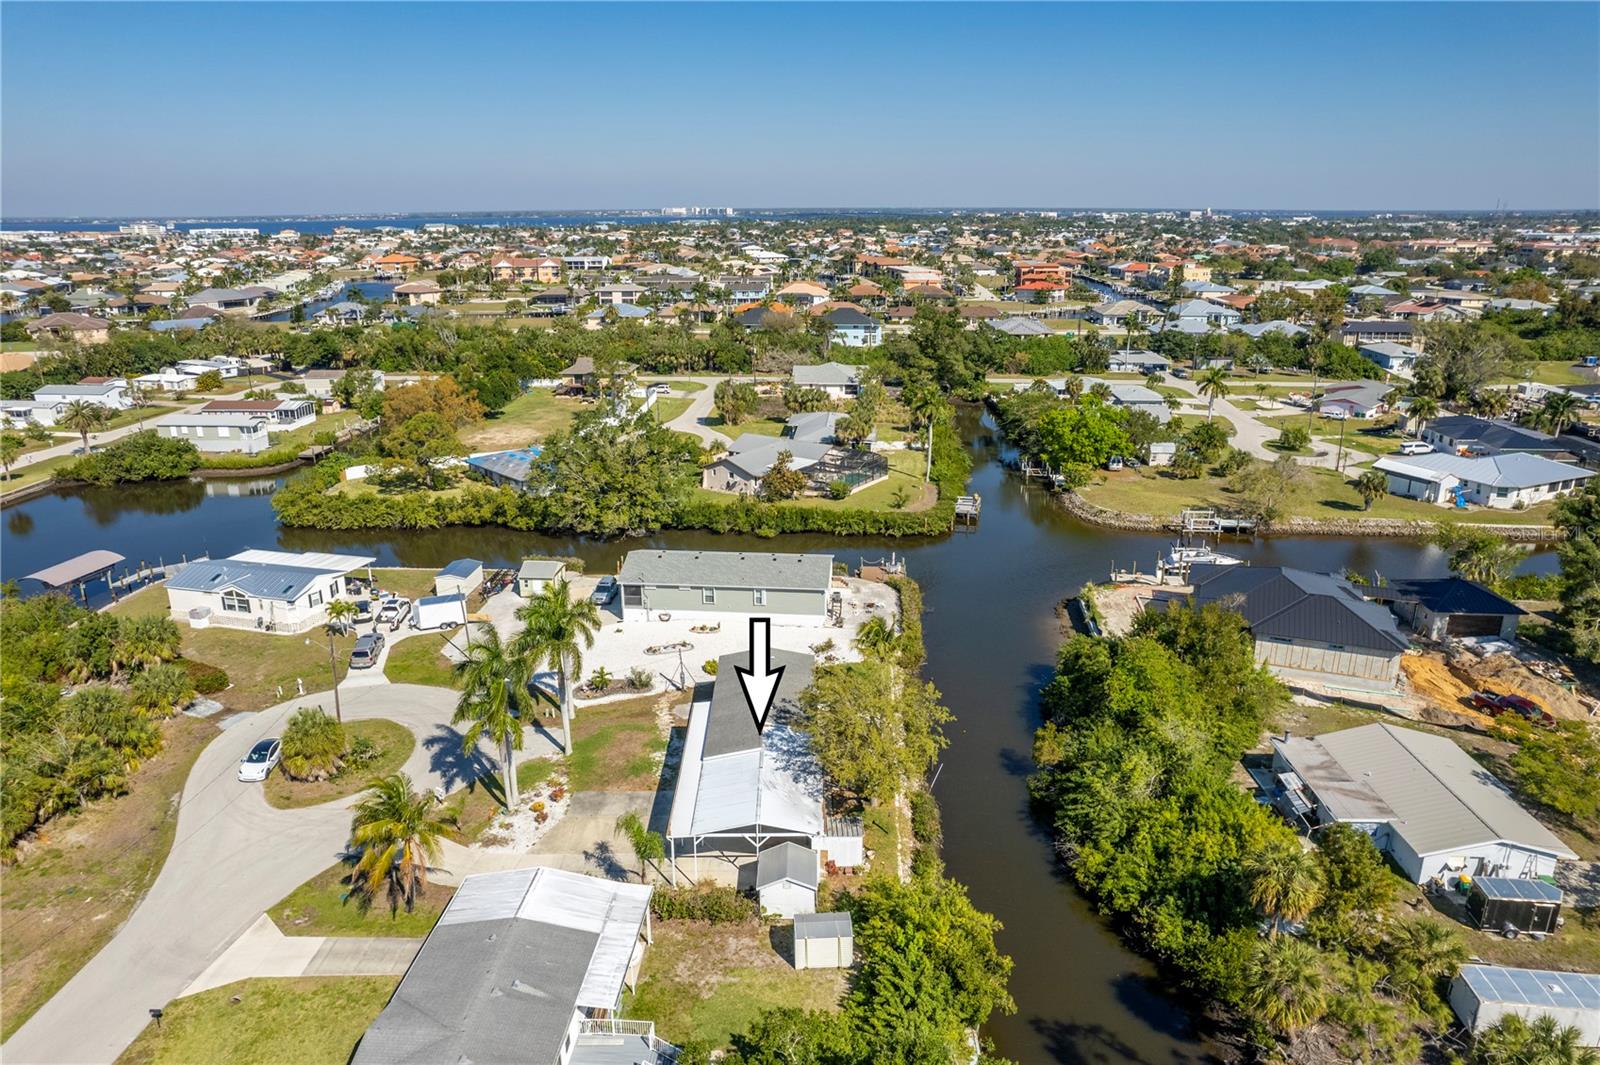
<point>1495,704</point>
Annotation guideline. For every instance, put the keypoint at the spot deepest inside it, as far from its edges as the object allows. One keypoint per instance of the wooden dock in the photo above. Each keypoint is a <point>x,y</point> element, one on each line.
<point>968,508</point>
<point>1209,521</point>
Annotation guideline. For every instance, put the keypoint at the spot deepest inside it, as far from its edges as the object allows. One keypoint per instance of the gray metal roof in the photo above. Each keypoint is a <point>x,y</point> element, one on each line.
<point>728,569</point>
<point>755,454</point>
<point>489,991</point>
<point>1533,987</point>
<point>80,567</point>
<point>833,925</point>
<point>827,373</point>
<point>262,580</point>
<point>1295,604</point>
<point>1512,469</point>
<point>1525,890</point>
<point>1439,798</point>
<point>787,861</point>
<point>730,728</point>
<point>540,569</point>
<point>461,567</point>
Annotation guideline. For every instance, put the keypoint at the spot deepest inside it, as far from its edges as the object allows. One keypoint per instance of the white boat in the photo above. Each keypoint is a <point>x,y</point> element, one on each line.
<point>1183,556</point>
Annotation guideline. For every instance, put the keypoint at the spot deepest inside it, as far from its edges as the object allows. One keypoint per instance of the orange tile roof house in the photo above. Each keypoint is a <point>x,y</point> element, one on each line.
<point>544,271</point>
<point>392,265</point>
<point>69,325</point>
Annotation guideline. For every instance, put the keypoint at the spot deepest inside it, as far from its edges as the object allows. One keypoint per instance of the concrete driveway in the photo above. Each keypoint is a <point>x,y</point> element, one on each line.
<point>234,856</point>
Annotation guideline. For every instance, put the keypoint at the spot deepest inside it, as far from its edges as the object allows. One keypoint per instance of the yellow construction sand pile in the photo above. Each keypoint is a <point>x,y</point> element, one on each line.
<point>1504,674</point>
<point>1429,677</point>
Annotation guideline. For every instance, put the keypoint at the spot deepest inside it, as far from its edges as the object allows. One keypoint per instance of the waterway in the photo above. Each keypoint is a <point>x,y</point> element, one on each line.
<point>991,634</point>
<point>372,290</point>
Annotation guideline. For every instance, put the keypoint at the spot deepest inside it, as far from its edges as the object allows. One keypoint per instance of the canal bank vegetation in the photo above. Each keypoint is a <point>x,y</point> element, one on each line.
<point>606,477</point>
<point>1135,762</point>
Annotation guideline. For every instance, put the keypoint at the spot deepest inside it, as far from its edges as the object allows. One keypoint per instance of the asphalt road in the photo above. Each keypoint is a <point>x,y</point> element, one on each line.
<point>234,856</point>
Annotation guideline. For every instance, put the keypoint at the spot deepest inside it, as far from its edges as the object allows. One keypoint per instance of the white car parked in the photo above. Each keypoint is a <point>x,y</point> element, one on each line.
<point>259,762</point>
<point>1416,447</point>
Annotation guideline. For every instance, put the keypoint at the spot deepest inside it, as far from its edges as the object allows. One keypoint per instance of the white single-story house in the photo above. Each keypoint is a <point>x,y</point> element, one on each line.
<point>787,876</point>
<point>113,394</point>
<point>1361,399</point>
<point>524,965</point>
<point>461,577</point>
<point>1396,358</point>
<point>275,591</point>
<point>726,585</point>
<point>17,413</point>
<point>223,366</point>
<point>839,380</point>
<point>1145,362</point>
<point>535,573</point>
<point>1481,995</point>
<point>1500,481</point>
<point>1424,801</point>
<point>218,432</point>
<point>824,940</point>
<point>169,379</point>
<point>1161,453</point>
<point>319,384</point>
<point>283,415</point>
<point>740,790</point>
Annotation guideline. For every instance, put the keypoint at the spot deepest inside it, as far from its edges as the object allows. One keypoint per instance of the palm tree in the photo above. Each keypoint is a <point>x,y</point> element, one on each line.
<point>1214,386</point>
<point>1543,1041</point>
<point>11,447</point>
<point>1423,408</point>
<point>1286,884</point>
<point>145,642</point>
<point>1073,387</point>
<point>1425,953</point>
<point>1490,402</point>
<point>83,418</point>
<point>1559,411</point>
<point>926,403</point>
<point>876,639</point>
<point>556,630</point>
<point>398,833</point>
<point>1372,485</point>
<point>340,611</point>
<point>494,697</point>
<point>647,846</point>
<point>1289,990</point>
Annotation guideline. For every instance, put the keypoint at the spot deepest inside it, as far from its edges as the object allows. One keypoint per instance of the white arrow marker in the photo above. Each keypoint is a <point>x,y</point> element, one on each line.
<point>760,681</point>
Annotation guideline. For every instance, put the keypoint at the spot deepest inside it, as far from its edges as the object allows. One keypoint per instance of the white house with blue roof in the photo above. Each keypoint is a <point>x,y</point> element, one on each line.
<point>275,591</point>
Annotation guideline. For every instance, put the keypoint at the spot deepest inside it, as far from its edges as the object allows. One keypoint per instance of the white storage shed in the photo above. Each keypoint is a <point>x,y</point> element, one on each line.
<point>461,577</point>
<point>535,573</point>
<point>1482,994</point>
<point>786,879</point>
<point>823,941</point>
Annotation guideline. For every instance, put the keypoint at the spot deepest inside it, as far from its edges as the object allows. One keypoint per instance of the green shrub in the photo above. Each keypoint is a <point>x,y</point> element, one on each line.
<point>925,825</point>
<point>715,903</point>
<point>1294,438</point>
<point>313,745</point>
<point>638,678</point>
<point>838,489</point>
<point>206,678</point>
<point>710,667</point>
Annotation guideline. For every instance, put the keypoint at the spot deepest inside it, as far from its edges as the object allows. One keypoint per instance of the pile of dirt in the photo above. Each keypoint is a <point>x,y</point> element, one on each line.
<point>1505,675</point>
<point>1443,692</point>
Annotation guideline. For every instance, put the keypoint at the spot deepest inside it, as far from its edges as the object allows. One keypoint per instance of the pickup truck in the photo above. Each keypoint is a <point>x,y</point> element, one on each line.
<point>1494,704</point>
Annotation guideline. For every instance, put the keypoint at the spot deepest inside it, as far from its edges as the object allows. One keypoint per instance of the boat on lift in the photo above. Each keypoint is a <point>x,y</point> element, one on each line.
<point>1183,556</point>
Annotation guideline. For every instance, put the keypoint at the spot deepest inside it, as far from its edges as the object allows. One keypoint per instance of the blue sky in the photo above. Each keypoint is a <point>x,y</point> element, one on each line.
<point>280,108</point>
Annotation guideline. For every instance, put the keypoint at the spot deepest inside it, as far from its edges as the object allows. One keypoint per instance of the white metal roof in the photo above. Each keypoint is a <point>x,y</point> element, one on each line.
<point>777,786</point>
<point>322,560</point>
<point>612,910</point>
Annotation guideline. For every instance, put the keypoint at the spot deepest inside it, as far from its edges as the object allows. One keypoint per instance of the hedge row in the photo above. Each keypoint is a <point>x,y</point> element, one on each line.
<point>716,903</point>
<point>306,503</point>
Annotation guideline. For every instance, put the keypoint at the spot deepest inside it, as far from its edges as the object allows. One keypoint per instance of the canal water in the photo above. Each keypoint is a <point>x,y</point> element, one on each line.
<point>991,633</point>
<point>374,290</point>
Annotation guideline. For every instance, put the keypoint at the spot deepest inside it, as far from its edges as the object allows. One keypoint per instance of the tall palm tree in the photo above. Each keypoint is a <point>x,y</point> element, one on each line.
<point>83,418</point>
<point>1490,402</point>
<point>927,406</point>
<point>1424,953</point>
<point>1073,387</point>
<point>1560,410</point>
<point>1289,990</point>
<point>1423,410</point>
<point>495,697</point>
<point>1543,1041</point>
<point>1286,884</point>
<point>340,611</point>
<point>398,833</point>
<point>556,630</point>
<point>1372,485</point>
<point>1214,386</point>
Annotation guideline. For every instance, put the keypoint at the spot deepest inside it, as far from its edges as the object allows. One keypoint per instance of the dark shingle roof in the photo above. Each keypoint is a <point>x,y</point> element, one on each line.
<point>730,728</point>
<point>1297,605</point>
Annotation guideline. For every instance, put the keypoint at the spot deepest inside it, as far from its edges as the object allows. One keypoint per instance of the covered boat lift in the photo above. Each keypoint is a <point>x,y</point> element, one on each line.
<point>91,565</point>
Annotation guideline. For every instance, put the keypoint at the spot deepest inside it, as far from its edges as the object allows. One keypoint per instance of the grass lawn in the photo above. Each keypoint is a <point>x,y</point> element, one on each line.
<point>904,482</point>
<point>306,435</point>
<point>394,745</point>
<point>1359,434</point>
<point>617,746</point>
<point>528,419</point>
<point>670,407</point>
<point>43,470</point>
<point>475,807</point>
<point>67,895</point>
<point>324,906</point>
<point>408,583</point>
<point>420,660</point>
<point>257,663</point>
<point>705,981</point>
<point>1319,493</point>
<point>307,1020</point>
<point>1562,373</point>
